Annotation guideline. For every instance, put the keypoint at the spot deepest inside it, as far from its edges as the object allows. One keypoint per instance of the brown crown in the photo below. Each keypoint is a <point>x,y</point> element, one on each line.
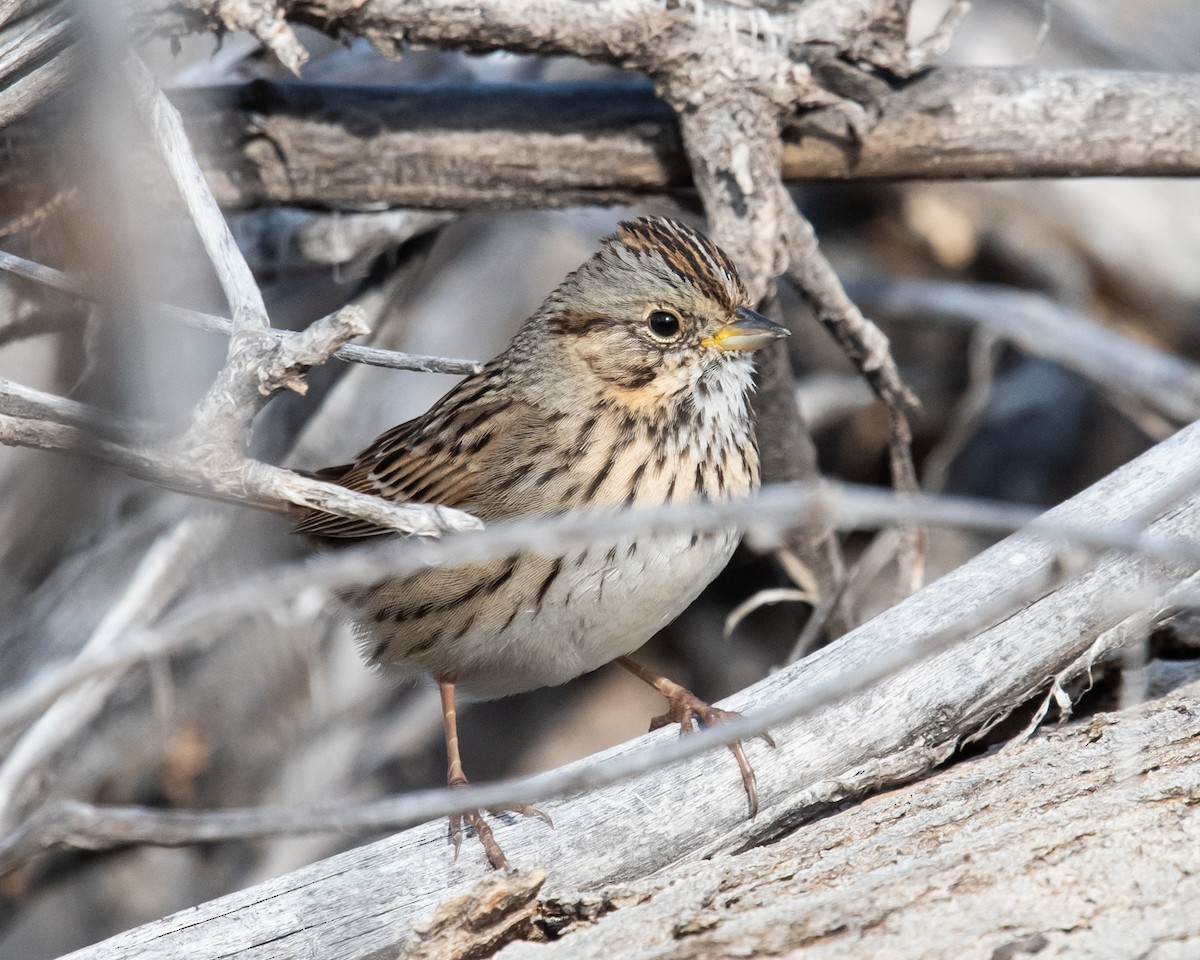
<point>690,255</point>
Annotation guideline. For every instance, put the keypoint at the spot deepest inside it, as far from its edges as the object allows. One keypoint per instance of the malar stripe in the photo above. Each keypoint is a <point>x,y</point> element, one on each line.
<point>632,378</point>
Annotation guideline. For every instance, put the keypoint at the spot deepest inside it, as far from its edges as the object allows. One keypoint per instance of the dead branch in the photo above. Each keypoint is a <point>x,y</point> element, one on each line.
<point>893,731</point>
<point>194,623</point>
<point>1166,384</point>
<point>868,348</point>
<point>1011,882</point>
<point>886,718</point>
<point>27,773</point>
<point>35,59</point>
<point>247,482</point>
<point>951,123</point>
<point>94,827</point>
<point>209,458</point>
<point>350,352</point>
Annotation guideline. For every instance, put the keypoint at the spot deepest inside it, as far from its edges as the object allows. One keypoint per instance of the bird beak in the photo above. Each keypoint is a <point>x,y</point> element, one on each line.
<point>748,331</point>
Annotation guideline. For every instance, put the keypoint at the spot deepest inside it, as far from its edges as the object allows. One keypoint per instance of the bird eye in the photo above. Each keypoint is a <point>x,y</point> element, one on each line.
<point>664,324</point>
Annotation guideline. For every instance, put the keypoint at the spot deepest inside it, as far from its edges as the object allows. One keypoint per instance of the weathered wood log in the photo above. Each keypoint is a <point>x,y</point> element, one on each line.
<point>463,148</point>
<point>366,901</point>
<point>455,147</point>
<point>1078,843</point>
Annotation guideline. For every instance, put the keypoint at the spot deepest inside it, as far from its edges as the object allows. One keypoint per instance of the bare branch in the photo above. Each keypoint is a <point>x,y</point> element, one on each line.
<point>772,510</point>
<point>35,59</point>
<point>29,404</point>
<point>242,481</point>
<point>350,352</point>
<point>1167,384</point>
<point>893,731</point>
<point>26,774</point>
<point>241,290</point>
<point>618,144</point>
<point>94,827</point>
<point>868,348</point>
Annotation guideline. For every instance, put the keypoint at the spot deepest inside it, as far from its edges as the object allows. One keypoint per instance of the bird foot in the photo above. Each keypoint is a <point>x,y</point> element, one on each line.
<point>690,712</point>
<point>483,829</point>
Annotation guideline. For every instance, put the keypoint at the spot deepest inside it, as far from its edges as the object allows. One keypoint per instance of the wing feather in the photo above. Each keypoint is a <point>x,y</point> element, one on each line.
<point>435,458</point>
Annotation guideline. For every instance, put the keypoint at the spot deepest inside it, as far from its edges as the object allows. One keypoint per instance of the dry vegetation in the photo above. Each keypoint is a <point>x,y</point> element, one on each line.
<point>183,715</point>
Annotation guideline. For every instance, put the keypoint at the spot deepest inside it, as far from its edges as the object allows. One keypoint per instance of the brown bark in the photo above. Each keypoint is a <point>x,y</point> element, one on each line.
<point>467,148</point>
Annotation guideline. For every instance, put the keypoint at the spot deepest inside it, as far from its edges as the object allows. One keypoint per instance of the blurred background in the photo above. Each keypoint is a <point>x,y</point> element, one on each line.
<point>282,710</point>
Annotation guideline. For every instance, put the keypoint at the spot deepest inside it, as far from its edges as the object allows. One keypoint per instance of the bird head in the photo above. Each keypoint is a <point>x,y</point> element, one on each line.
<point>657,313</point>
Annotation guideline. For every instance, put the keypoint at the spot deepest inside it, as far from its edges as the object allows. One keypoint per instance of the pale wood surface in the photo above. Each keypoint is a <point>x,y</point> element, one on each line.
<point>363,902</point>
<point>1079,843</point>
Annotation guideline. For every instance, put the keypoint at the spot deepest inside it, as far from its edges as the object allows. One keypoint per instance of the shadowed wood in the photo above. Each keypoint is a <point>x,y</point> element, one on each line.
<point>343,147</point>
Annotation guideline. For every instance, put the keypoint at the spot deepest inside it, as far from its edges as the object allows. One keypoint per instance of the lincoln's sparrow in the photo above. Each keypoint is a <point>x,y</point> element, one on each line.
<point>627,388</point>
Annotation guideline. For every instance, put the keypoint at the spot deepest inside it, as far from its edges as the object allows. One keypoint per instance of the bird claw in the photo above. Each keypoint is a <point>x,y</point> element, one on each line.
<point>483,830</point>
<point>689,711</point>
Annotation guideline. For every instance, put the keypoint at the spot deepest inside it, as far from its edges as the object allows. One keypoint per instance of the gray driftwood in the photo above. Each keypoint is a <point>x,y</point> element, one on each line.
<point>344,148</point>
<point>364,903</point>
<point>617,143</point>
<point>1049,847</point>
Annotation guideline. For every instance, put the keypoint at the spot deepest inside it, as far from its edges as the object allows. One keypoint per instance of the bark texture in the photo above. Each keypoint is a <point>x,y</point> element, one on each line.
<point>466,148</point>
<point>842,745</point>
<point>1084,842</point>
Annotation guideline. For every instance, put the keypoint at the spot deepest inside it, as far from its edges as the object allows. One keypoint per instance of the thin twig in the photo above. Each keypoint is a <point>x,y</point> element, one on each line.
<point>868,348</point>
<point>1166,384</point>
<point>295,590</point>
<point>765,598</point>
<point>27,403</point>
<point>237,279</point>
<point>982,354</point>
<point>246,482</point>
<point>92,827</point>
<point>35,323</point>
<point>27,774</point>
<point>355,353</point>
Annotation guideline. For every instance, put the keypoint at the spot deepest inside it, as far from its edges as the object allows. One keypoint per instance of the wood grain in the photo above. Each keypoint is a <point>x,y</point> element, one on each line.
<point>365,901</point>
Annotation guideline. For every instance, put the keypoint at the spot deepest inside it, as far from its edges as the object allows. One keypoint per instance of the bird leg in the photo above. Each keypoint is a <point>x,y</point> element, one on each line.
<point>456,778</point>
<point>688,710</point>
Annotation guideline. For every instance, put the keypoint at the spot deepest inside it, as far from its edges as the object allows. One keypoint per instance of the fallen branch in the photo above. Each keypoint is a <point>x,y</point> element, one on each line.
<point>605,144</point>
<point>897,729</point>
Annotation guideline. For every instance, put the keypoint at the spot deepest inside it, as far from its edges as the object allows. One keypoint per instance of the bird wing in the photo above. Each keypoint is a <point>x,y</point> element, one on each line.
<point>436,458</point>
